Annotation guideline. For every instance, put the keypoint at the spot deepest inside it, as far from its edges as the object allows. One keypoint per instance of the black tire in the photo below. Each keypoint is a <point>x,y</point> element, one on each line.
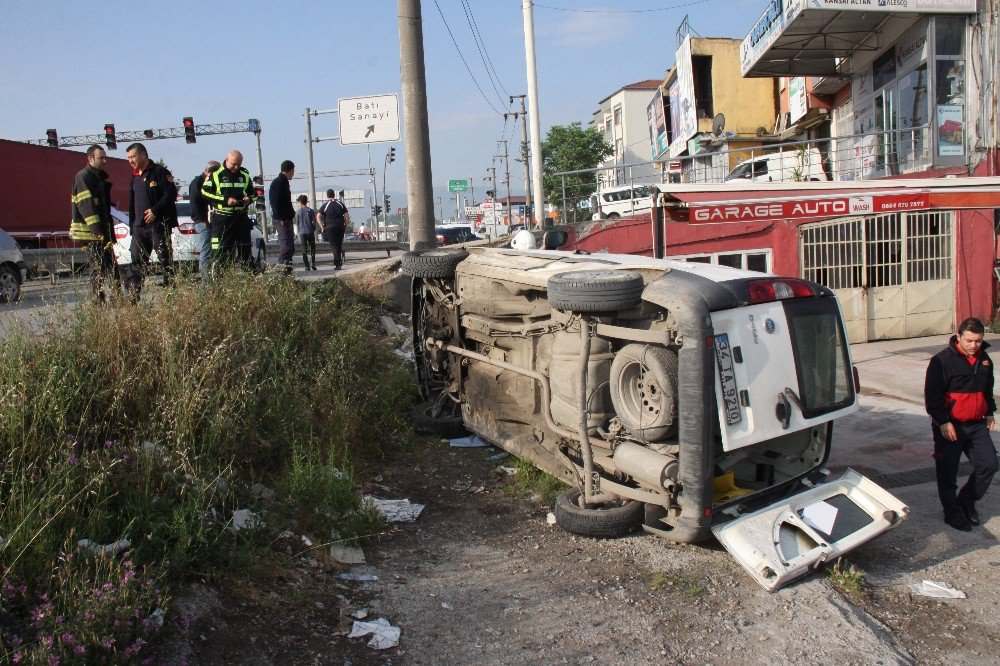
<point>437,263</point>
<point>609,521</point>
<point>10,285</point>
<point>595,291</point>
<point>446,421</point>
<point>644,390</point>
<point>614,216</point>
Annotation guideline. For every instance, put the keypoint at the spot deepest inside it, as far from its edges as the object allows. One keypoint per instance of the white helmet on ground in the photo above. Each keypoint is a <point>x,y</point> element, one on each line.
<point>524,240</point>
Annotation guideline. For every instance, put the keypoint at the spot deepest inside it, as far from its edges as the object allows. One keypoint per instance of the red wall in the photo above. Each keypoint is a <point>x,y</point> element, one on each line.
<point>37,183</point>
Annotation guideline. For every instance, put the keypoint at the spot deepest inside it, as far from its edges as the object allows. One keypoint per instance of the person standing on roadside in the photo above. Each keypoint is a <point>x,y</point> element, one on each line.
<point>152,214</point>
<point>199,214</point>
<point>958,395</point>
<point>91,222</point>
<point>280,197</point>
<point>305,224</point>
<point>333,219</point>
<point>229,191</point>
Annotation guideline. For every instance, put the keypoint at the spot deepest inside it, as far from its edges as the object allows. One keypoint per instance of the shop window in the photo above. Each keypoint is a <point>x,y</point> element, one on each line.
<point>949,87</point>
<point>949,35</point>
<point>912,110</point>
<point>702,74</point>
<point>703,259</point>
<point>731,260</point>
<point>757,261</point>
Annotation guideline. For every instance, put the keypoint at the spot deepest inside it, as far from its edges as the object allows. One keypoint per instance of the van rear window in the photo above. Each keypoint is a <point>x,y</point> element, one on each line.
<point>819,345</point>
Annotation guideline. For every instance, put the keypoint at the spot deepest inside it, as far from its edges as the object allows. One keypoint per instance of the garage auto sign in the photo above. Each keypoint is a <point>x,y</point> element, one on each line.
<point>808,208</point>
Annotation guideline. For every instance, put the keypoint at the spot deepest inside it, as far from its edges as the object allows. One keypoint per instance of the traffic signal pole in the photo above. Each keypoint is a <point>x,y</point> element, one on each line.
<point>260,170</point>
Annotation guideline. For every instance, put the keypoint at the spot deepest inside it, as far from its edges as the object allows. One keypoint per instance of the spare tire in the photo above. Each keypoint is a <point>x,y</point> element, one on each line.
<point>644,390</point>
<point>605,521</point>
<point>439,419</point>
<point>595,291</point>
<point>436,263</point>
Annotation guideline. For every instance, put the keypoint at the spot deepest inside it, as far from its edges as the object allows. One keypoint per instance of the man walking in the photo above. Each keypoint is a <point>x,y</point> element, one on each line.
<point>333,219</point>
<point>958,395</point>
<point>92,223</point>
<point>280,197</point>
<point>229,191</point>
<point>199,214</point>
<point>152,214</point>
<point>305,224</point>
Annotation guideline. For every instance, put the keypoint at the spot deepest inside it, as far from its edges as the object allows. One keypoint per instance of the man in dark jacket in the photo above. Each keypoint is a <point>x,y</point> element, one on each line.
<point>332,219</point>
<point>958,395</point>
<point>91,222</point>
<point>152,215</point>
<point>280,198</point>
<point>199,215</point>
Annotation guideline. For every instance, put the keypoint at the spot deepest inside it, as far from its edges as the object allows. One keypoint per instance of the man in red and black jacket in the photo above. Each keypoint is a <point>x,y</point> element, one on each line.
<point>958,394</point>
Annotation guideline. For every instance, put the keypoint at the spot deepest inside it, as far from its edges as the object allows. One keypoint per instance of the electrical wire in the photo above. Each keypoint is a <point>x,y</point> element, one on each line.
<point>484,54</point>
<point>622,11</point>
<point>464,61</point>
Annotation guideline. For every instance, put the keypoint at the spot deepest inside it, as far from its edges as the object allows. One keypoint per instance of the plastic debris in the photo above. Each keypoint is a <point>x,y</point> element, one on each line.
<point>469,442</point>
<point>936,589</point>
<point>510,471</point>
<point>396,511</point>
<point>358,577</point>
<point>498,457</point>
<point>360,614</point>
<point>384,635</point>
<point>347,554</point>
<point>446,606</point>
<point>405,352</point>
<point>551,518</point>
<point>109,550</point>
<point>156,617</point>
<point>244,519</point>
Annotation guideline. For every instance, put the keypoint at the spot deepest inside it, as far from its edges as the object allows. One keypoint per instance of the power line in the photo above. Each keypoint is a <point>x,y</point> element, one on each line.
<point>464,61</point>
<point>484,54</point>
<point>622,11</point>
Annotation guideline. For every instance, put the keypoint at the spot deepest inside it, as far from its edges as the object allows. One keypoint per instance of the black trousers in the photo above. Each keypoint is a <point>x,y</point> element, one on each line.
<point>336,237</point>
<point>231,240</point>
<point>975,442</point>
<point>103,270</point>
<point>286,243</point>
<point>308,250</point>
<point>146,238</point>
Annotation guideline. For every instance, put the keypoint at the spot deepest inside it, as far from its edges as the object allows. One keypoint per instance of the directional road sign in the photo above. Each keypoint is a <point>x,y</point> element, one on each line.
<point>458,186</point>
<point>370,119</point>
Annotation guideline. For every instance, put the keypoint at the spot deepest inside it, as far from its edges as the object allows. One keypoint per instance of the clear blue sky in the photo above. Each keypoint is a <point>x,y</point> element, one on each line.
<point>77,65</point>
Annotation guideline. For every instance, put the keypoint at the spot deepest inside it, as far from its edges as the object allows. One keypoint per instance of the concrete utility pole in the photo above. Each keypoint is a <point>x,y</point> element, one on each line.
<point>309,161</point>
<point>493,199</point>
<point>260,170</point>
<point>506,181</point>
<point>524,150</point>
<point>536,140</point>
<point>419,187</point>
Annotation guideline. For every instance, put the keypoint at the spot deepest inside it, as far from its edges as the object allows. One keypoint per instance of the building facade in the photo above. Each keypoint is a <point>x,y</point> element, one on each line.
<point>621,119</point>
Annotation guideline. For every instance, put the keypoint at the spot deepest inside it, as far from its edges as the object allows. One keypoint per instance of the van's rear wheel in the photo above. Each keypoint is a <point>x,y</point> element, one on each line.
<point>595,291</point>
<point>602,521</point>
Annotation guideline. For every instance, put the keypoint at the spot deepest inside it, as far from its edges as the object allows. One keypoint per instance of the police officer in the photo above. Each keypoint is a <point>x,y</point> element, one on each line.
<point>92,223</point>
<point>958,395</point>
<point>152,214</point>
<point>229,191</point>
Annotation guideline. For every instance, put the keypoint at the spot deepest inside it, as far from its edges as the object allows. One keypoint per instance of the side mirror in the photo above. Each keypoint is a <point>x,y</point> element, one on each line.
<point>553,240</point>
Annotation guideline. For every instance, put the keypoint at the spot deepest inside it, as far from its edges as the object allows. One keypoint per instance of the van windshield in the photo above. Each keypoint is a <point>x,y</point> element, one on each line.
<point>742,171</point>
<point>826,381</point>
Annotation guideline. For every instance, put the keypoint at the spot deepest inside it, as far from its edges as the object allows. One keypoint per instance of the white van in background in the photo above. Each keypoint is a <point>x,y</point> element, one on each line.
<point>616,202</point>
<point>779,167</point>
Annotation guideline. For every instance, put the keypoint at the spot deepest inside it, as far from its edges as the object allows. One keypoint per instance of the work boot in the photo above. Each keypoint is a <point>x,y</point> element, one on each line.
<point>971,515</point>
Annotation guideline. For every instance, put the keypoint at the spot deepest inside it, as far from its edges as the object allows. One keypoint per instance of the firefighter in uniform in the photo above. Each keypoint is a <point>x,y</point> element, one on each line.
<point>92,224</point>
<point>229,190</point>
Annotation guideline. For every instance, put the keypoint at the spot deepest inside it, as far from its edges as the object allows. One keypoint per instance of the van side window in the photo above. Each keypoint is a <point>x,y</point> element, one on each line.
<point>760,168</point>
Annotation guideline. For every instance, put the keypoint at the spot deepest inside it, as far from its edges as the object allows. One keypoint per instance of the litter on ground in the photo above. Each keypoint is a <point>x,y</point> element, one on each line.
<point>511,471</point>
<point>109,550</point>
<point>469,442</point>
<point>244,519</point>
<point>359,577</point>
<point>384,635</point>
<point>551,518</point>
<point>497,457</point>
<point>396,511</point>
<point>347,554</point>
<point>936,589</point>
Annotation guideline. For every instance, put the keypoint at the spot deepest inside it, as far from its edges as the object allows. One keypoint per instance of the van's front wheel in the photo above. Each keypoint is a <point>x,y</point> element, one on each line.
<point>603,521</point>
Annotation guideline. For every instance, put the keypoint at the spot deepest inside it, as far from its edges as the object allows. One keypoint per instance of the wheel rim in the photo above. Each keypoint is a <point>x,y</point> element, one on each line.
<point>641,396</point>
<point>8,286</point>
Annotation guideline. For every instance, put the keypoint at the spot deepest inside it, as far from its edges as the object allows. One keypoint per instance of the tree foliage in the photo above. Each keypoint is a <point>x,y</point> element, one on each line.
<point>569,148</point>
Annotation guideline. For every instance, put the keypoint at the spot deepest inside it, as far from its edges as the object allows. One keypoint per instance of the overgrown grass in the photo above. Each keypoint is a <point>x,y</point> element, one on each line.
<point>150,424</point>
<point>531,482</point>
<point>847,578</point>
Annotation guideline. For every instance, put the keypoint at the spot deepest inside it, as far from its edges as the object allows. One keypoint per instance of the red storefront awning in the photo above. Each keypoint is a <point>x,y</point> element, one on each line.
<point>758,202</point>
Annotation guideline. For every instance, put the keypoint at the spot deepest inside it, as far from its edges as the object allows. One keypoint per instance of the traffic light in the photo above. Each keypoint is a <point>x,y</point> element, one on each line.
<point>189,130</point>
<point>387,206</point>
<point>492,193</point>
<point>376,210</point>
<point>109,137</point>
<point>258,189</point>
<point>52,138</point>
<point>148,134</point>
<point>392,154</point>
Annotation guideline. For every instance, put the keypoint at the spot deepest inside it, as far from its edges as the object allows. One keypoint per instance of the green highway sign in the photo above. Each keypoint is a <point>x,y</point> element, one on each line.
<point>458,186</point>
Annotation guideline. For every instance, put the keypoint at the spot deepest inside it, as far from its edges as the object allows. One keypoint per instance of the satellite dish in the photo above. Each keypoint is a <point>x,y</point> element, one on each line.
<point>718,124</point>
<point>761,132</point>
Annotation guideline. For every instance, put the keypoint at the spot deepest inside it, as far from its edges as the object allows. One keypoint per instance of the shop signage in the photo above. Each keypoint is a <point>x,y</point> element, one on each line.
<point>762,34</point>
<point>884,68</point>
<point>798,105</point>
<point>688,117</point>
<point>808,208</point>
<point>657,124</point>
<point>951,129</point>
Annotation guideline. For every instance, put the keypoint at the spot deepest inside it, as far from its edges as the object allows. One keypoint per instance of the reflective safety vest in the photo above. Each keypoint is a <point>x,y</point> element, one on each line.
<point>222,184</point>
<point>91,214</point>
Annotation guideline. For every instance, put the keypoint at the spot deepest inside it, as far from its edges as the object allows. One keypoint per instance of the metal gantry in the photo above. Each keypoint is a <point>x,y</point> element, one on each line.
<point>252,126</point>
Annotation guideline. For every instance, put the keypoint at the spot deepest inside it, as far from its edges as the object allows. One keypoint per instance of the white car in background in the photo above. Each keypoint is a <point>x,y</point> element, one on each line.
<point>185,240</point>
<point>13,270</point>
